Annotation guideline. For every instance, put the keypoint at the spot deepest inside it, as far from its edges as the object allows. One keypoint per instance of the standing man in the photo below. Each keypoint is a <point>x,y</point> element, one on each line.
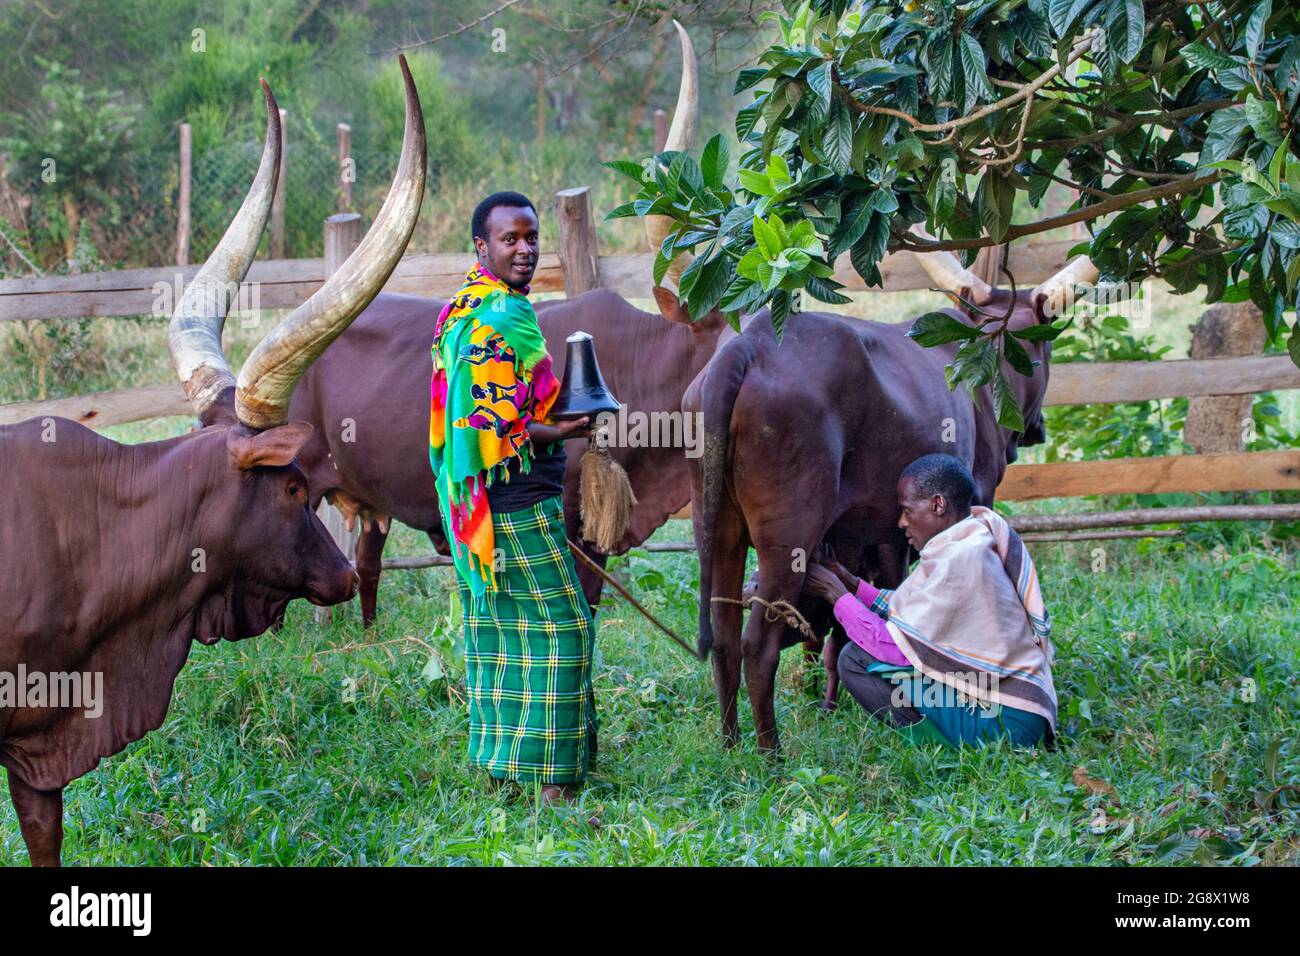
<point>499,469</point>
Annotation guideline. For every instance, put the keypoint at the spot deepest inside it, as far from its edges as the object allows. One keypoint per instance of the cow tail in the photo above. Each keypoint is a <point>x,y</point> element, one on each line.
<point>718,397</point>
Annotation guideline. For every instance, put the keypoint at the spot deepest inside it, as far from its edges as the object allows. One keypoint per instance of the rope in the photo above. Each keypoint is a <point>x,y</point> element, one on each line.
<point>774,611</point>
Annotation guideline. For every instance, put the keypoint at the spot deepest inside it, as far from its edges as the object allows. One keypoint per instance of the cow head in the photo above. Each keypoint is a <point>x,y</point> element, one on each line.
<point>1024,308</point>
<point>262,539</point>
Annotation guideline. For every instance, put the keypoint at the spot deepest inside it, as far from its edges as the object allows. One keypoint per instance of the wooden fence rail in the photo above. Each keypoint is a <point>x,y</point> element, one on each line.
<point>284,283</point>
<point>1078,383</point>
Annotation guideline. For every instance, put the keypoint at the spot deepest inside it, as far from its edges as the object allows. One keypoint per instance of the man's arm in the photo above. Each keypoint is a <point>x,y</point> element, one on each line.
<point>543,434</point>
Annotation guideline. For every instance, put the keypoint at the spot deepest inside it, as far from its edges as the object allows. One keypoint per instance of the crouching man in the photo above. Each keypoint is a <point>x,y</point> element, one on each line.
<point>959,652</point>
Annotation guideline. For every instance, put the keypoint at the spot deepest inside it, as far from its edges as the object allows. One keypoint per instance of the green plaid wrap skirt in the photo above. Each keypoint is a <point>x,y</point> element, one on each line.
<point>528,652</point>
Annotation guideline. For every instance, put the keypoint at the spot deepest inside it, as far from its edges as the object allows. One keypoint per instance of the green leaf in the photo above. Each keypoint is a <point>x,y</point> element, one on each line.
<point>819,81</point>
<point>1276,165</point>
<point>1223,135</point>
<point>852,225</point>
<point>826,291</point>
<point>1005,405</point>
<point>1255,28</point>
<point>974,364</point>
<point>1063,13</point>
<point>713,279</point>
<point>1286,234</point>
<point>1016,355</point>
<point>714,161</point>
<point>743,296</point>
<point>939,55</point>
<point>621,212</point>
<point>633,171</point>
<point>1039,333</point>
<point>780,310</point>
<point>936,328</point>
<point>804,237</point>
<point>747,78</point>
<point>747,119</point>
<point>1264,120</point>
<point>975,72</point>
<point>1293,344</point>
<point>995,197</point>
<point>838,145</point>
<point>767,239</point>
<point>1203,57</point>
<point>941,195</point>
<point>778,171</point>
<point>1125,26</point>
<point>663,259</point>
<point>755,182</point>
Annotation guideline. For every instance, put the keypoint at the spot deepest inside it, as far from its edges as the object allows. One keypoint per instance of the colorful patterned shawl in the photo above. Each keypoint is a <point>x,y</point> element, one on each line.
<point>492,376</point>
<point>973,603</point>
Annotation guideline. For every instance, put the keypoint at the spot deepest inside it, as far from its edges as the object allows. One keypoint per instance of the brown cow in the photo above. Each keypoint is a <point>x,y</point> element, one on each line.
<point>804,442</point>
<point>114,558</point>
<point>368,397</point>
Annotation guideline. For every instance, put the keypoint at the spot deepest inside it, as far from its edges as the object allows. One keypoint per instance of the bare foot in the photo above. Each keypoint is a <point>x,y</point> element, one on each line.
<point>559,793</point>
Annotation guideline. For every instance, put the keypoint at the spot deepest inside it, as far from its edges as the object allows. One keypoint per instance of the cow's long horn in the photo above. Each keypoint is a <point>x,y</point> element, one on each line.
<point>194,337</point>
<point>949,275</point>
<point>267,380</point>
<point>681,137</point>
<point>1059,291</point>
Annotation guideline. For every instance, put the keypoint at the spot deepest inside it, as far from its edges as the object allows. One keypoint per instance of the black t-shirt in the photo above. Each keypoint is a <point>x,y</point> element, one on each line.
<point>545,479</point>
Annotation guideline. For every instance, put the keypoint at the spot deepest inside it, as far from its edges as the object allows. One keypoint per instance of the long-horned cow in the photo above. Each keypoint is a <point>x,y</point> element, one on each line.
<point>368,397</point>
<point>115,558</point>
<point>804,442</point>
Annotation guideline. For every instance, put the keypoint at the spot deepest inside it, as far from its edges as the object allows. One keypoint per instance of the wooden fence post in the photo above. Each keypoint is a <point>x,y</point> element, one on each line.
<point>989,262</point>
<point>1217,424</point>
<point>347,168</point>
<point>661,129</point>
<point>183,200</point>
<point>342,235</point>
<point>577,240</point>
<point>277,204</point>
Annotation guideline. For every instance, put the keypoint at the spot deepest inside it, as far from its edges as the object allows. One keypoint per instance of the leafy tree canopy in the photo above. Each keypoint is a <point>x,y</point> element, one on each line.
<point>1174,121</point>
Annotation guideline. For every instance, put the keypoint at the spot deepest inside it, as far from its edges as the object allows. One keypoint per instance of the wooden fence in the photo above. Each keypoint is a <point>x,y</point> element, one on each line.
<point>284,283</point>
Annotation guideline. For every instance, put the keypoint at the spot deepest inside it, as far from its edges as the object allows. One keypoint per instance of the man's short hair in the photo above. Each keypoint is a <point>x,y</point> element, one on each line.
<point>478,223</point>
<point>942,475</point>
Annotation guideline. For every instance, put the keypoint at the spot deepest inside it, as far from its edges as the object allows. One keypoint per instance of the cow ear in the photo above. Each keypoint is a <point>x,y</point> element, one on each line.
<point>1042,308</point>
<point>671,307</point>
<point>273,447</point>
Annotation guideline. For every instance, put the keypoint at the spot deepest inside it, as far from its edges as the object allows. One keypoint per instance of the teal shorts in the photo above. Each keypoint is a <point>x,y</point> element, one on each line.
<point>955,724</point>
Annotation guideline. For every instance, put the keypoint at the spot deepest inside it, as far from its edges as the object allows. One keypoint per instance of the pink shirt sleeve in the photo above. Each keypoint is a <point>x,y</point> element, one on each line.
<point>867,592</point>
<point>864,628</point>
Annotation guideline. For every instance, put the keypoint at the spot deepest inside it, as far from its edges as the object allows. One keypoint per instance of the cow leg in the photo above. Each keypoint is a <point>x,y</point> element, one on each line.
<point>40,817</point>
<point>370,563</point>
<point>761,641</point>
<point>729,552</point>
<point>830,656</point>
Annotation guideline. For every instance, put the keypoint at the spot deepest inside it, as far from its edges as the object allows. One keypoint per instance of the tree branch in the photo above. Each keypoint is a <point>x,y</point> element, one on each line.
<point>461,29</point>
<point>1081,46</point>
<point>1138,119</point>
<point>1093,211</point>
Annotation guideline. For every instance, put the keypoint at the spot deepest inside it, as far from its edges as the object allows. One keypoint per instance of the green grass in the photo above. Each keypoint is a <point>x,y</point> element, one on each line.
<point>265,743</point>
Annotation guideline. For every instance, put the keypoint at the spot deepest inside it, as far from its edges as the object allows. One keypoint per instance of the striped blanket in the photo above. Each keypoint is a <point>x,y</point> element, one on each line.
<point>973,609</point>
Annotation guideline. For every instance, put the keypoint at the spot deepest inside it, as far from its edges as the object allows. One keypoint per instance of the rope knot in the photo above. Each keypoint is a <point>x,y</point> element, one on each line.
<point>773,611</point>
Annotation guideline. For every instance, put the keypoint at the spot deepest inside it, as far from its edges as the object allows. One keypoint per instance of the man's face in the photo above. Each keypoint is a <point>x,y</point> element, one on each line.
<point>922,516</point>
<point>510,250</point>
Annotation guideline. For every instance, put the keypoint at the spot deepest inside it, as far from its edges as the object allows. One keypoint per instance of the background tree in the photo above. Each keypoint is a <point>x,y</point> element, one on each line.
<point>1173,121</point>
